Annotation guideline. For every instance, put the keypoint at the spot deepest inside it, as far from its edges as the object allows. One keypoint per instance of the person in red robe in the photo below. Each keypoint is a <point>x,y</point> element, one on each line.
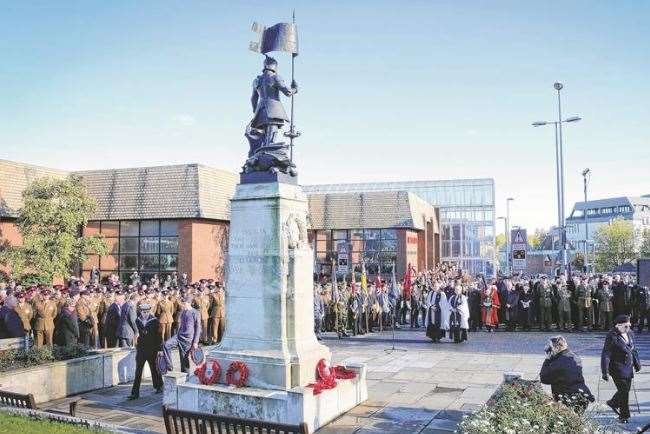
<point>490,307</point>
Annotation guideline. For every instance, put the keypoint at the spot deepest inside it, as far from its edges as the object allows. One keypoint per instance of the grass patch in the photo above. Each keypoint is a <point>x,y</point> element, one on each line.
<point>25,425</point>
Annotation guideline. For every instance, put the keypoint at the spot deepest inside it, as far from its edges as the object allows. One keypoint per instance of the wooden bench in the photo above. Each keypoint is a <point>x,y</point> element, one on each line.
<point>190,422</point>
<point>12,399</point>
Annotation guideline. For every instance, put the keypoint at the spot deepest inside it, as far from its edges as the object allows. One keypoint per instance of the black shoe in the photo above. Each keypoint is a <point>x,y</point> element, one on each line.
<point>345,335</point>
<point>623,419</point>
<point>611,405</point>
<point>159,390</point>
<point>318,338</point>
<point>132,397</point>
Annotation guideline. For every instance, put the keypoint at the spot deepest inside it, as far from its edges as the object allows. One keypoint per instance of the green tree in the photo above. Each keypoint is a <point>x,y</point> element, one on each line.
<point>500,242</point>
<point>615,244</point>
<point>645,244</point>
<point>51,223</point>
<point>536,238</point>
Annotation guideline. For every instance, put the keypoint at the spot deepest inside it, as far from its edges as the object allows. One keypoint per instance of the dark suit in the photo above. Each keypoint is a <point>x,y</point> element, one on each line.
<point>66,330</point>
<point>620,359</point>
<point>149,343</point>
<point>127,329</point>
<point>11,326</point>
<point>111,324</point>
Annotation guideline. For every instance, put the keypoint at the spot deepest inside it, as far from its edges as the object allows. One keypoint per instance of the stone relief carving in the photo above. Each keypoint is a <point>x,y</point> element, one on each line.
<point>295,231</point>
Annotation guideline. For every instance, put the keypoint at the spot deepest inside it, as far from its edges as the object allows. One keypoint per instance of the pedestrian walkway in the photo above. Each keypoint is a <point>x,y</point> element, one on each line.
<point>419,387</point>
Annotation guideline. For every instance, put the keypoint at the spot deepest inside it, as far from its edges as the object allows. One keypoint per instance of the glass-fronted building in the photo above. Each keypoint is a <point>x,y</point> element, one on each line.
<point>467,219</point>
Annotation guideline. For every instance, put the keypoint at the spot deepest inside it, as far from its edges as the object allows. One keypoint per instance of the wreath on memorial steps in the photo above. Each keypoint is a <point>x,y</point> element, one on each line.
<point>202,369</point>
<point>241,370</point>
<point>326,376</point>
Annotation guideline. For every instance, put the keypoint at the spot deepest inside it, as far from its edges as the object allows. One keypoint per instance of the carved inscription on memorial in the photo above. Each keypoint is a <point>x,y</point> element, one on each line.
<point>253,249</point>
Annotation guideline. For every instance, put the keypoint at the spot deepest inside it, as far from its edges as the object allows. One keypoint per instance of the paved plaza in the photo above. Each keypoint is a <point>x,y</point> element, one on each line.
<point>418,387</point>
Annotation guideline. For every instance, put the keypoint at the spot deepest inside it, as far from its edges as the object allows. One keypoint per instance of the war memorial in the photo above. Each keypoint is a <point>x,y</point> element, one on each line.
<point>269,280</point>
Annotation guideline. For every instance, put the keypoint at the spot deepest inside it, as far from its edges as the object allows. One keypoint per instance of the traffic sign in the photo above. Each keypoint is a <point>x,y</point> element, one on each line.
<point>518,247</point>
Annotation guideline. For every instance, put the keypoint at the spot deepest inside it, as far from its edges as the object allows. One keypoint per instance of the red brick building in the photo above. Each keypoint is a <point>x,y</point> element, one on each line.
<point>175,218</point>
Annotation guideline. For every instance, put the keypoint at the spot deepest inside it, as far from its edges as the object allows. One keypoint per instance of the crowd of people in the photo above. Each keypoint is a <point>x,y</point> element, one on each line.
<point>99,315</point>
<point>448,302</point>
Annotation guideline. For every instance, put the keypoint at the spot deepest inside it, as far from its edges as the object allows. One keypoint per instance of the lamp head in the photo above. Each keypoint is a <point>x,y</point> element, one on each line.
<point>558,86</point>
<point>539,124</point>
<point>573,119</point>
<point>586,172</point>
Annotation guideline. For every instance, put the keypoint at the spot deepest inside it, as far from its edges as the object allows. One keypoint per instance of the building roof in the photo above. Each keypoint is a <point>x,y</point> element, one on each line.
<point>14,179</point>
<point>631,201</point>
<point>178,191</point>
<point>370,210</point>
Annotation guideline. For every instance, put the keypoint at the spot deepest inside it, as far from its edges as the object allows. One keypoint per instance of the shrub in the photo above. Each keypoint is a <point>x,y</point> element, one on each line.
<point>17,359</point>
<point>524,407</point>
<point>69,352</point>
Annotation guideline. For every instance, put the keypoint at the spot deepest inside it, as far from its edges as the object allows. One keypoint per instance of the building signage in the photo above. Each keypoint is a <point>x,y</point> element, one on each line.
<point>519,246</point>
<point>343,259</point>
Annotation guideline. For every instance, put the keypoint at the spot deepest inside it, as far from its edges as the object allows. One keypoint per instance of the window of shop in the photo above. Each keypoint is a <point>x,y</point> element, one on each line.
<point>148,246</point>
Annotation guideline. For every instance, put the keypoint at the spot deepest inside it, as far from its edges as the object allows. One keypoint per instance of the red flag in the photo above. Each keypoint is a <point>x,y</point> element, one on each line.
<point>407,278</point>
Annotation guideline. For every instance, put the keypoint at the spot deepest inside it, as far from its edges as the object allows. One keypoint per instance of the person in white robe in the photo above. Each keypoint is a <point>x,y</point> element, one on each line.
<point>437,317</point>
<point>458,315</point>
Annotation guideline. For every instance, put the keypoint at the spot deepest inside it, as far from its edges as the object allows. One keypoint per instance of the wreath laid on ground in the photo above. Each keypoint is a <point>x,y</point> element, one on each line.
<point>202,370</point>
<point>241,370</point>
<point>326,376</point>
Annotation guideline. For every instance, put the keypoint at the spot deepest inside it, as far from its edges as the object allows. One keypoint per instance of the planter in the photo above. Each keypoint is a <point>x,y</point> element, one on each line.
<point>105,368</point>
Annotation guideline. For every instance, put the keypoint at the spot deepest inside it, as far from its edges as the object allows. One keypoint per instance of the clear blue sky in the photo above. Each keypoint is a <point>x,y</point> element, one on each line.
<point>389,90</point>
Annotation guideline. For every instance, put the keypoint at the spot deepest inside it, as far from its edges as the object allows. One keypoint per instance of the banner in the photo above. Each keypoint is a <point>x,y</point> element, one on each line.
<point>280,37</point>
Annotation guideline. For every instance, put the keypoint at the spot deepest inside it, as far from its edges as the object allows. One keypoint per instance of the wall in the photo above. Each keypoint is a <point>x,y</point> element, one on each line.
<point>58,380</point>
<point>9,235</point>
<point>202,248</point>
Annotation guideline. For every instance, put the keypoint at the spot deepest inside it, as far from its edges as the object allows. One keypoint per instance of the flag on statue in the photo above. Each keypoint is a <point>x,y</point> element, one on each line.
<point>280,37</point>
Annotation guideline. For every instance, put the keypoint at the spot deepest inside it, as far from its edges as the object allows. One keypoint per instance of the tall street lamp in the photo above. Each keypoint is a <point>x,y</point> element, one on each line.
<point>559,170</point>
<point>585,174</point>
<point>508,246</point>
<point>505,220</point>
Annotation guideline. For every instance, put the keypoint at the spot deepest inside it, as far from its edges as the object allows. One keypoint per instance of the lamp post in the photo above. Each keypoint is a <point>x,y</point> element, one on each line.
<point>585,174</point>
<point>505,229</point>
<point>508,249</point>
<point>559,170</point>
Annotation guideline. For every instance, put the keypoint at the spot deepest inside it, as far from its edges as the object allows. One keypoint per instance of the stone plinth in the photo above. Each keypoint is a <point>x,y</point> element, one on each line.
<point>292,406</point>
<point>269,302</point>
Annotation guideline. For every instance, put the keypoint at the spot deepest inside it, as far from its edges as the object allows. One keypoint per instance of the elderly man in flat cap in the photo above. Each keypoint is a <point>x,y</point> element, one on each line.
<point>187,337</point>
<point>147,347</point>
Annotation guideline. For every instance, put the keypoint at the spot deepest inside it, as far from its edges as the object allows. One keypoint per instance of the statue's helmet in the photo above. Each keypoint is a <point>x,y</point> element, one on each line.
<point>271,64</point>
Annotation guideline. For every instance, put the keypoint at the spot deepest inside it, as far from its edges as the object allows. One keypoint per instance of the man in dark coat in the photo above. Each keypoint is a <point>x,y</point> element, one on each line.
<point>187,336</point>
<point>620,359</point>
<point>66,331</point>
<point>562,369</point>
<point>11,326</point>
<point>149,343</point>
<point>127,331</point>
<point>112,321</point>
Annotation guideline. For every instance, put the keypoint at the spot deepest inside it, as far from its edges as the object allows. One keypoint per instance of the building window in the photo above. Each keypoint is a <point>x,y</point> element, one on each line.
<point>592,211</point>
<point>148,246</point>
<point>607,210</point>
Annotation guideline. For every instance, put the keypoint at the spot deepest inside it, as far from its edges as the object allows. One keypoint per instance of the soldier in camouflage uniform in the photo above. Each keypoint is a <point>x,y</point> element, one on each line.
<point>584,305</point>
<point>340,300</point>
<point>563,299</point>
<point>606,305</point>
<point>545,305</point>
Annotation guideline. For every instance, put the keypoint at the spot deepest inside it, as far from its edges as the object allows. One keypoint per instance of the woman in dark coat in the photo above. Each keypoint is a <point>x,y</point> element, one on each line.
<point>67,326</point>
<point>620,359</point>
<point>563,371</point>
<point>525,307</point>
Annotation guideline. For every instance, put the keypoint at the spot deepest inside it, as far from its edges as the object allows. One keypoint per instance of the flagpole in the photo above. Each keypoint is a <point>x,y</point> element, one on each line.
<point>293,69</point>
